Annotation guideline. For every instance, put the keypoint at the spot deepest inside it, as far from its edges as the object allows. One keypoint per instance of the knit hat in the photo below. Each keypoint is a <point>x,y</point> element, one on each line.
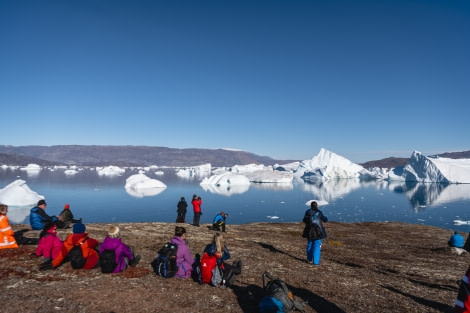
<point>67,206</point>
<point>79,228</point>
<point>41,202</point>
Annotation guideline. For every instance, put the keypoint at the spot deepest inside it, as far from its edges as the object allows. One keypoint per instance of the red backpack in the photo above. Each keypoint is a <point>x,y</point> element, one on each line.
<point>207,265</point>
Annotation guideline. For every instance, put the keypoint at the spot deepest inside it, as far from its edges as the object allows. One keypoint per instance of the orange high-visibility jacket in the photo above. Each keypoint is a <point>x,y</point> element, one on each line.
<point>7,238</point>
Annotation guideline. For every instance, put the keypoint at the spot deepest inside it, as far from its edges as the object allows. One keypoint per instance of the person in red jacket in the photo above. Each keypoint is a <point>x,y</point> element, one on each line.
<point>196,202</point>
<point>49,243</point>
<point>89,245</point>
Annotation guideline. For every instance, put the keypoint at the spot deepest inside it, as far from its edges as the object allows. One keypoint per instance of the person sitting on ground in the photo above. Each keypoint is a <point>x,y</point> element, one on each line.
<point>219,249</point>
<point>66,218</point>
<point>124,255</point>
<point>184,260</point>
<point>219,221</point>
<point>456,240</point>
<point>88,245</point>
<point>7,235</point>
<point>49,243</point>
<point>38,216</point>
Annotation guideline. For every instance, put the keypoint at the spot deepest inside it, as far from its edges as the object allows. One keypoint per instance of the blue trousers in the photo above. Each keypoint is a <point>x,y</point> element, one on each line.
<point>314,251</point>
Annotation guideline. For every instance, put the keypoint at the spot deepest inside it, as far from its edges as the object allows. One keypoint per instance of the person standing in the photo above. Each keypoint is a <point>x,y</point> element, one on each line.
<point>196,202</point>
<point>38,216</point>
<point>7,235</point>
<point>181,210</point>
<point>184,260</point>
<point>314,231</point>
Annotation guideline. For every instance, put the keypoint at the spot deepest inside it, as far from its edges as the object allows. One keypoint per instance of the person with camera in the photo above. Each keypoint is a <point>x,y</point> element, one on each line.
<point>219,221</point>
<point>196,202</point>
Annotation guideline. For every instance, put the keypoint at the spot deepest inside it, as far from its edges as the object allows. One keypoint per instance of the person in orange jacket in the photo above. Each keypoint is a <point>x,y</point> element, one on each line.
<point>89,245</point>
<point>7,235</point>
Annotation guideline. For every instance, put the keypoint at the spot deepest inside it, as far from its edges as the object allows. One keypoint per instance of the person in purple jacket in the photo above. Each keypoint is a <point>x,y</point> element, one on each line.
<point>184,260</point>
<point>123,253</point>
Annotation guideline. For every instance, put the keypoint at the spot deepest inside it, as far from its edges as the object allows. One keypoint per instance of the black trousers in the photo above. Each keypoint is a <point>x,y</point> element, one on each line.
<point>197,216</point>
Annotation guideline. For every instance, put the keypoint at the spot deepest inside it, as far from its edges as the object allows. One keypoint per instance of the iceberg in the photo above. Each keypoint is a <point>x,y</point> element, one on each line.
<point>427,170</point>
<point>328,165</point>
<point>139,186</point>
<point>19,194</point>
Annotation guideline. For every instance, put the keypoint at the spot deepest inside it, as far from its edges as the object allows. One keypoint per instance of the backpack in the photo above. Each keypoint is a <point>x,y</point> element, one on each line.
<point>108,261</point>
<point>315,231</point>
<point>279,298</point>
<point>164,264</point>
<point>208,263</point>
<point>196,272</point>
<point>77,260</point>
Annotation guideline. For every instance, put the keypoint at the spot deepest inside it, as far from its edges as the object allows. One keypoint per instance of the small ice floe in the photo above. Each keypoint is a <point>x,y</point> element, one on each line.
<point>421,220</point>
<point>460,222</point>
<point>319,202</point>
<point>273,217</point>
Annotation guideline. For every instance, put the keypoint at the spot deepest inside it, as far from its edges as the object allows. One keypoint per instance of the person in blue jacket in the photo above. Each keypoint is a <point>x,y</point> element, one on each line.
<point>314,243</point>
<point>219,221</point>
<point>38,216</point>
<point>456,240</point>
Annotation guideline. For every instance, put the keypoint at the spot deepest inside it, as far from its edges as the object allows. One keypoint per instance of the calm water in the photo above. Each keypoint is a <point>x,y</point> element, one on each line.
<point>103,199</point>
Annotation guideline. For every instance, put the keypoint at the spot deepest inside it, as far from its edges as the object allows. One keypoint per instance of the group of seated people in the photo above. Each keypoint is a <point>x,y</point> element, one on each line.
<point>56,251</point>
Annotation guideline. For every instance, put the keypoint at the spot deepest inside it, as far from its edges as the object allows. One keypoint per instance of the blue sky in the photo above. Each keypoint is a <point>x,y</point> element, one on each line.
<point>364,79</point>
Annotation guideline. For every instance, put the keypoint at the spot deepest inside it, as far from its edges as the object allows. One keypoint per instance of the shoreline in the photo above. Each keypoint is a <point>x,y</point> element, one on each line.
<point>371,266</point>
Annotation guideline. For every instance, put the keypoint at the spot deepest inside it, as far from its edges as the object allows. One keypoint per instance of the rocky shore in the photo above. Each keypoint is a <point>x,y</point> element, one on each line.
<point>366,267</point>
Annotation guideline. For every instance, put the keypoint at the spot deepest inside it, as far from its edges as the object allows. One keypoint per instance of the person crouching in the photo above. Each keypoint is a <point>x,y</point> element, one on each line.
<point>219,221</point>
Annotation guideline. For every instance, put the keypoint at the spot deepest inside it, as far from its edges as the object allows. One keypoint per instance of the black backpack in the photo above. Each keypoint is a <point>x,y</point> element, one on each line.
<point>76,255</point>
<point>277,296</point>
<point>315,231</point>
<point>108,261</point>
<point>165,263</point>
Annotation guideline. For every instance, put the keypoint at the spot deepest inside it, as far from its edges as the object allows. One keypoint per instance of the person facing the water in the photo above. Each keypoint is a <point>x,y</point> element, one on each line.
<point>184,260</point>
<point>196,202</point>
<point>314,238</point>
<point>456,240</point>
<point>181,210</point>
<point>38,216</point>
<point>123,253</point>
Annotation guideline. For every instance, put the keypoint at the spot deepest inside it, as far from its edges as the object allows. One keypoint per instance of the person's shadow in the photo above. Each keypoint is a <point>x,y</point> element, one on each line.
<point>21,239</point>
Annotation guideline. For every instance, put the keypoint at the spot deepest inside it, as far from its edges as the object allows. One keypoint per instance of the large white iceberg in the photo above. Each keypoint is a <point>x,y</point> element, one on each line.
<point>226,179</point>
<point>19,194</point>
<point>426,169</point>
<point>328,165</point>
<point>110,171</point>
<point>139,185</point>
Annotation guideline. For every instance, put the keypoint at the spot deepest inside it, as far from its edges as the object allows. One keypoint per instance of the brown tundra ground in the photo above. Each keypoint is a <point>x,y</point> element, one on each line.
<point>365,267</point>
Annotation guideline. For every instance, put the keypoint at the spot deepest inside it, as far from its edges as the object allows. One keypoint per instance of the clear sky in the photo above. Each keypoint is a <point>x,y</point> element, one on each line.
<point>364,79</point>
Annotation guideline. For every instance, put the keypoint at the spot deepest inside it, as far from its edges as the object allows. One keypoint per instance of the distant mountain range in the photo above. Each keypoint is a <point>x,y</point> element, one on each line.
<point>128,156</point>
<point>160,156</point>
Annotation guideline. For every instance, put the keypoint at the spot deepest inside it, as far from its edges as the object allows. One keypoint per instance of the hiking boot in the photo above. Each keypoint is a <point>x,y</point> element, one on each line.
<point>135,260</point>
<point>239,266</point>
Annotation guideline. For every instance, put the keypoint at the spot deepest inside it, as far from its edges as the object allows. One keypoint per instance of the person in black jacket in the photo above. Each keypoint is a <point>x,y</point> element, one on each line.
<point>181,210</point>
<point>314,232</point>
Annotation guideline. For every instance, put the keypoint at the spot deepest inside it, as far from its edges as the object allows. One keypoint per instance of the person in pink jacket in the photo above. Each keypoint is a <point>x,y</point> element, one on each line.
<point>184,260</point>
<point>49,243</point>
